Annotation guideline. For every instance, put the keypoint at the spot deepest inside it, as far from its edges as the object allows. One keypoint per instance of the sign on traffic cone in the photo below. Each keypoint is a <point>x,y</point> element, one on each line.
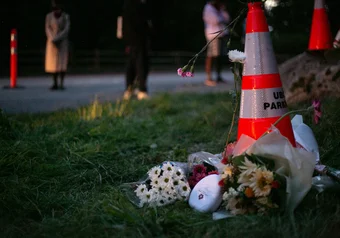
<point>262,97</point>
<point>320,35</point>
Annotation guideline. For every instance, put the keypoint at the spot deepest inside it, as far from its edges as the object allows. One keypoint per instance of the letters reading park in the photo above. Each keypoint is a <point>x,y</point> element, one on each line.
<point>276,104</point>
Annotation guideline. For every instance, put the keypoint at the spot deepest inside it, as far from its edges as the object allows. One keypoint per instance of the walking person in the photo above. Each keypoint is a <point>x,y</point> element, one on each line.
<point>216,18</point>
<point>136,34</point>
<point>57,27</point>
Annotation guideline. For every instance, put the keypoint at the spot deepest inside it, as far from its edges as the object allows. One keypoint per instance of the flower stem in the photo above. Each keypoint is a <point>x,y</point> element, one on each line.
<point>218,34</point>
<point>283,116</point>
<point>237,99</point>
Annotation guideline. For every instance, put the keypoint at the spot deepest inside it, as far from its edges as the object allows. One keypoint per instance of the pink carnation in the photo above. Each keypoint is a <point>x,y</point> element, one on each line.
<point>180,72</point>
<point>189,74</point>
<point>229,150</point>
<point>317,111</point>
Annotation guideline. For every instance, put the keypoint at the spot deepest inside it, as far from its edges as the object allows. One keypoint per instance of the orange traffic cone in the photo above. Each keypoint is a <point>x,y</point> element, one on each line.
<point>320,35</point>
<point>262,97</point>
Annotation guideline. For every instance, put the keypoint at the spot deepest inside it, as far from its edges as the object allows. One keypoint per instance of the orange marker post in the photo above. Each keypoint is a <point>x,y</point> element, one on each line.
<point>262,97</point>
<point>13,59</point>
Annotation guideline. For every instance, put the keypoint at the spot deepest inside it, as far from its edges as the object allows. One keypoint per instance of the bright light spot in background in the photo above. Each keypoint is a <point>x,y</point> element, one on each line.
<point>269,4</point>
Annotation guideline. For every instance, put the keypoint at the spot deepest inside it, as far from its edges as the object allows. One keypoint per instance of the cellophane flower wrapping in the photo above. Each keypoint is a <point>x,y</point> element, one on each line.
<point>163,184</point>
<point>295,164</point>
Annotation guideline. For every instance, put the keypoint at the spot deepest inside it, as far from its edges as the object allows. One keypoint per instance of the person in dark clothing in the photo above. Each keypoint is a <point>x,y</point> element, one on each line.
<point>136,35</point>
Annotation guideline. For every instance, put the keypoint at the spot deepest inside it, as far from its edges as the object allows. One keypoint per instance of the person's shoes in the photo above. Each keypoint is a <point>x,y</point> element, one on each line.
<point>54,87</point>
<point>62,88</point>
<point>210,83</point>
<point>127,95</point>
<point>142,95</point>
<point>136,91</point>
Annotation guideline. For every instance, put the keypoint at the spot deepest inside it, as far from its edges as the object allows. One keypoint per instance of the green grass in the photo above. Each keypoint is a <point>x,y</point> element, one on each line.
<point>60,172</point>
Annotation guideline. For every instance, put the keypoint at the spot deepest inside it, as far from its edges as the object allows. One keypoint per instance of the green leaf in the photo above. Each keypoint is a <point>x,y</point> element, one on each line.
<point>238,160</point>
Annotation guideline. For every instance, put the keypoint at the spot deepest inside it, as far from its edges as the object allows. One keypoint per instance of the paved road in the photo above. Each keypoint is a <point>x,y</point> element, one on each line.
<point>81,90</point>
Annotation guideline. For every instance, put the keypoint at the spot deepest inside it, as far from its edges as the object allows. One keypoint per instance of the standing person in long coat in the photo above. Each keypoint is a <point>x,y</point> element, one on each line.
<point>57,27</point>
<point>137,28</point>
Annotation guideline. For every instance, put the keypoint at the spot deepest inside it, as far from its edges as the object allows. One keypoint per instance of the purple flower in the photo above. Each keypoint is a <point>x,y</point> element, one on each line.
<point>317,110</point>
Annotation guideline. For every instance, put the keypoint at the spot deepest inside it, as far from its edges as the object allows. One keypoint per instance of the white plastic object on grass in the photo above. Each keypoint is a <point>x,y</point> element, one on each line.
<point>206,196</point>
<point>304,136</point>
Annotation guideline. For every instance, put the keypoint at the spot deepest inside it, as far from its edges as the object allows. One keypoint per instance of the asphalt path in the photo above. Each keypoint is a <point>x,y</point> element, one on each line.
<point>33,94</point>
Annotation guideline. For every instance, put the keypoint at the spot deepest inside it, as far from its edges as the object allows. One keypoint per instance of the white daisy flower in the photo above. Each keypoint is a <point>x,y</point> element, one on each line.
<point>165,181</point>
<point>237,56</point>
<point>183,190</point>
<point>167,168</point>
<point>141,190</point>
<point>178,173</point>
<point>145,197</point>
<point>163,200</point>
<point>155,182</point>
<point>155,172</point>
<point>169,188</point>
<point>153,196</point>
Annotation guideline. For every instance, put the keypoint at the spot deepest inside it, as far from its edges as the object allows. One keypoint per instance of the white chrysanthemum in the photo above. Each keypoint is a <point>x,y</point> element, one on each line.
<point>178,173</point>
<point>229,194</point>
<point>233,207</point>
<point>248,170</point>
<point>227,171</point>
<point>167,168</point>
<point>165,181</point>
<point>145,197</point>
<point>169,189</point>
<point>155,172</point>
<point>248,166</point>
<point>141,190</point>
<point>237,56</point>
<point>164,200</point>
<point>261,182</point>
<point>155,182</point>
<point>153,196</point>
<point>183,190</point>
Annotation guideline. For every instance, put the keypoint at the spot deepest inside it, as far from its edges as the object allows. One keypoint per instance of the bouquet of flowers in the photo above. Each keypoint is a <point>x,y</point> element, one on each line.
<point>251,185</point>
<point>265,175</point>
<point>164,185</point>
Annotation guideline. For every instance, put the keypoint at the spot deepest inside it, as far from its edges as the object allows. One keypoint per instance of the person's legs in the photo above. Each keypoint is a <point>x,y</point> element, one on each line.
<point>55,81</point>
<point>221,58</point>
<point>62,76</point>
<point>208,68</point>
<point>130,73</point>
<point>142,66</point>
<point>211,52</point>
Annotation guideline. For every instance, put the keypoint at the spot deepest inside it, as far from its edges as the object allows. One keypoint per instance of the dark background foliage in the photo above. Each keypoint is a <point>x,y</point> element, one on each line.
<point>178,24</point>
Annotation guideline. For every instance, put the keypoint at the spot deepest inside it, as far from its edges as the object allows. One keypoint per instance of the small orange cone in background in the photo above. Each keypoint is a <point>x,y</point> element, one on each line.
<point>320,35</point>
<point>262,97</point>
